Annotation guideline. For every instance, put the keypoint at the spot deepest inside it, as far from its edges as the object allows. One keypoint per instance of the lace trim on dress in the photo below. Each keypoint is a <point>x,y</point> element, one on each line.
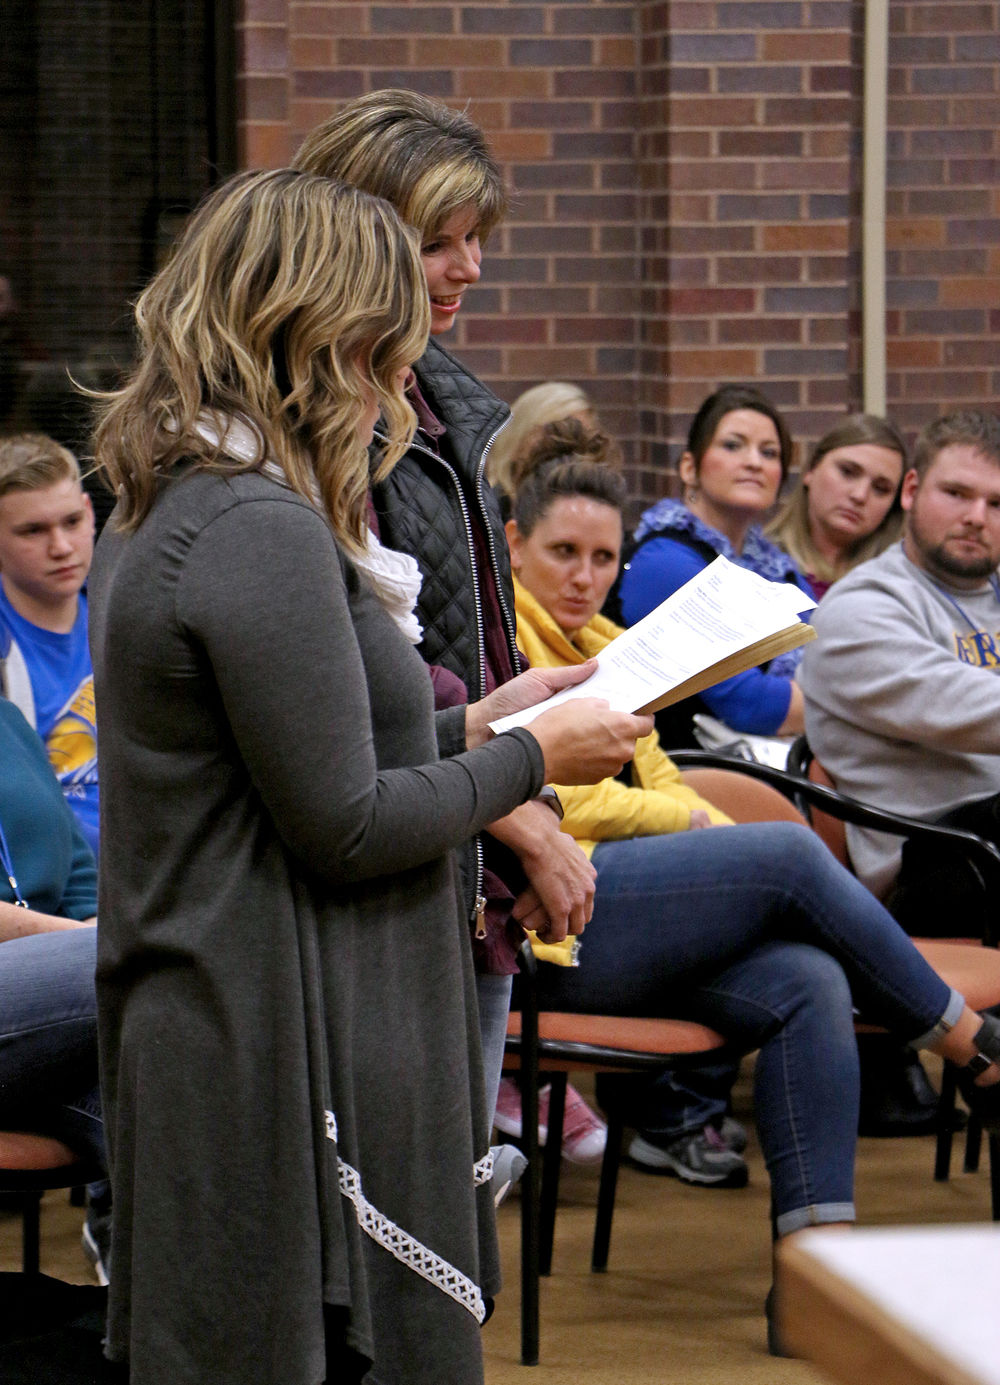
<point>401,1244</point>
<point>483,1169</point>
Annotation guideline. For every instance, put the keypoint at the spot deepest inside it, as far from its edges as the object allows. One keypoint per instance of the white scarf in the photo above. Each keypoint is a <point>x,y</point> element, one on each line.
<point>395,576</point>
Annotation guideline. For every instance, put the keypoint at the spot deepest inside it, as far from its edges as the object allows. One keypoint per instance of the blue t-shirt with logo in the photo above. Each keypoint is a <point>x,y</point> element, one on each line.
<point>62,685</point>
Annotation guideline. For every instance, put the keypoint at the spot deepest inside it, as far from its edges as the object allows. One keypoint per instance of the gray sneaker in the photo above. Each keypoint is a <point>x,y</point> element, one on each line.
<point>733,1134</point>
<point>508,1165</point>
<point>701,1157</point>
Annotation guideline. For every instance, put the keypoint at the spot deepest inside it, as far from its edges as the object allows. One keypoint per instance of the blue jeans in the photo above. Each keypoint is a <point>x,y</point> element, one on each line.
<point>758,932</point>
<point>671,1103</point>
<point>493,996</point>
<point>48,1038</point>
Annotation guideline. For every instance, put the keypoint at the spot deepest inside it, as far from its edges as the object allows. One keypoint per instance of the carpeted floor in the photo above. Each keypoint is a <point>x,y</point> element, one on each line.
<point>682,1301</point>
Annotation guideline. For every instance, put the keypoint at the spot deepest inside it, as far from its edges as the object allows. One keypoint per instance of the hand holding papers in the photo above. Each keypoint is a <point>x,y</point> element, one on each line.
<point>723,621</point>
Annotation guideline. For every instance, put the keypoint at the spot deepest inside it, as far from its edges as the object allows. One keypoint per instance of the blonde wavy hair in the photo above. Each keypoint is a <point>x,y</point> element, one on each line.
<point>426,159</point>
<point>530,412</point>
<point>790,527</point>
<point>290,302</point>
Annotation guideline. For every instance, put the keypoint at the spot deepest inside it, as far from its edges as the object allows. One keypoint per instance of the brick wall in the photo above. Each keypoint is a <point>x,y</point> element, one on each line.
<point>943,208</point>
<point>554,87</point>
<point>685,181</point>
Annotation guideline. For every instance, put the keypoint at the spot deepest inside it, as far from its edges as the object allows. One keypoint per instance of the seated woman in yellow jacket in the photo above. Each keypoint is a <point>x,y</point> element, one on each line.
<point>755,930</point>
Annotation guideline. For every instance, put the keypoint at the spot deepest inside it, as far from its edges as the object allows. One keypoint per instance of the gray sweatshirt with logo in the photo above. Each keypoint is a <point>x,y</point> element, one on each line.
<point>902,697</point>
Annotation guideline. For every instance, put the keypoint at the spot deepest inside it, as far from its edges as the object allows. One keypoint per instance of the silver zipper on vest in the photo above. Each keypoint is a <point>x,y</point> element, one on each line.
<point>480,472</point>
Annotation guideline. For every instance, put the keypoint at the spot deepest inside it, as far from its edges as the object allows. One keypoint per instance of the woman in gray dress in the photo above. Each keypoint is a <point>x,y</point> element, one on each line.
<point>289,1051</point>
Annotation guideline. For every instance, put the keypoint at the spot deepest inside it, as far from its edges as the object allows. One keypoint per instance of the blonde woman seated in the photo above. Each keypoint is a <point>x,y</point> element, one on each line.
<point>845,506</point>
<point>753,929</point>
<point>550,402</point>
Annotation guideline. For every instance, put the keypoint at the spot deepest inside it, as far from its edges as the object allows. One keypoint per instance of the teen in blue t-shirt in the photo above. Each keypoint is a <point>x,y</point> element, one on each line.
<point>46,545</point>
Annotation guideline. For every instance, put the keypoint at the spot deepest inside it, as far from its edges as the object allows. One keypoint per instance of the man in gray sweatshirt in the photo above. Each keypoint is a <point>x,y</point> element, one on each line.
<point>901,685</point>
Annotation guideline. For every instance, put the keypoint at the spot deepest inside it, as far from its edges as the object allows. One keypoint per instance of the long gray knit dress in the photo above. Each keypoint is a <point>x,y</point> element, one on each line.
<point>288,1035</point>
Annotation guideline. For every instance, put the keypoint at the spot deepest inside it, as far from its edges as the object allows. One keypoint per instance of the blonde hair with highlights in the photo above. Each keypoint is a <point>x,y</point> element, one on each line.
<point>790,527</point>
<point>426,159</point>
<point>530,412</point>
<point>289,302</point>
<point>33,462</point>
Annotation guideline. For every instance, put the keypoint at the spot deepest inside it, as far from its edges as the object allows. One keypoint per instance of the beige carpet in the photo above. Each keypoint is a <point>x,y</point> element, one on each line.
<point>682,1301</point>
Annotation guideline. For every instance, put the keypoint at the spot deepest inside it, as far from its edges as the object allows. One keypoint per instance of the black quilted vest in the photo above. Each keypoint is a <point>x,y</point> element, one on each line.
<point>426,507</point>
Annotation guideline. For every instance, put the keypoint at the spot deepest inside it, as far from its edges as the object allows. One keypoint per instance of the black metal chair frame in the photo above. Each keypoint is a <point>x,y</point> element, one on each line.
<point>540,1182</point>
<point>29,1185</point>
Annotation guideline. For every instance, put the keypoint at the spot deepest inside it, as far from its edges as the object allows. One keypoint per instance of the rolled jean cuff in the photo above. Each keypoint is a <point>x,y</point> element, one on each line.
<point>947,1022</point>
<point>819,1214</point>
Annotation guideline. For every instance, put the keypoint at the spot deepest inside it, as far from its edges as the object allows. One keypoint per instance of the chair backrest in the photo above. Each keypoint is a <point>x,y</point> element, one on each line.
<point>830,830</point>
<point>740,797</point>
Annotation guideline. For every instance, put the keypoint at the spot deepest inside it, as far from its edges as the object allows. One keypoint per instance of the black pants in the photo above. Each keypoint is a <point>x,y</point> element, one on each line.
<point>939,892</point>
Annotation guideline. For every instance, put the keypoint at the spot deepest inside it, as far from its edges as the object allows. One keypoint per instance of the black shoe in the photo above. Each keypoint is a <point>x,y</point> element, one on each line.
<point>896,1094</point>
<point>984,1102</point>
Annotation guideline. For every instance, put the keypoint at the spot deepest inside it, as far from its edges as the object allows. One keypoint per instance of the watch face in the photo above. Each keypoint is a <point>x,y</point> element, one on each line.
<point>978,1064</point>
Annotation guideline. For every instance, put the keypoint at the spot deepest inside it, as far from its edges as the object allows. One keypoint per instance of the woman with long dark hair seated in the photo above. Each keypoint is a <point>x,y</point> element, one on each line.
<point>738,452</point>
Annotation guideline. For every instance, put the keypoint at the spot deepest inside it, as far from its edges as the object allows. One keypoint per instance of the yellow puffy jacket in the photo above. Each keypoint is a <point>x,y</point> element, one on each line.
<point>656,801</point>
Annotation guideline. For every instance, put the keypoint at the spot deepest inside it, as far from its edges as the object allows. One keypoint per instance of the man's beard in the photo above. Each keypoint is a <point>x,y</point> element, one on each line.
<point>938,558</point>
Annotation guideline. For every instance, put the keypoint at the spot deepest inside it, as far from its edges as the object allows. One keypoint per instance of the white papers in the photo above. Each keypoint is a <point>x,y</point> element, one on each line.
<point>721,611</point>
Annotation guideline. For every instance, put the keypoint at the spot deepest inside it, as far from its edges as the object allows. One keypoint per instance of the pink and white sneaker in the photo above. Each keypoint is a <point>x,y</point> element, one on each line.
<point>584,1133</point>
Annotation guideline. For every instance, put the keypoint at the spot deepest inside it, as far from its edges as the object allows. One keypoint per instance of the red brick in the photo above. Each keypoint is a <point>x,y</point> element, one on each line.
<point>957,18</point>
<point>591,328</point>
<point>807,174</point>
<point>828,144</point>
<point>963,353</point>
<point>826,330</point>
<point>761,144</point>
<point>328,84</point>
<point>771,269</point>
<point>700,112</point>
<point>978,292</point>
<point>759,330</point>
<point>954,384</point>
<point>819,47</point>
<point>912,352</point>
<point>791,110</point>
<point>328,19</point>
<point>714,364</point>
<point>310,52</point>
<point>709,301</point>
<point>713,175</point>
<point>505,81</point>
<point>265,98</point>
<point>364,52</point>
<point>804,236</point>
<point>615,52</point>
<point>264,146</point>
<point>520,144</point>
<point>827,79</point>
<point>460,52</point>
<point>528,331</point>
<point>924,231</point>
